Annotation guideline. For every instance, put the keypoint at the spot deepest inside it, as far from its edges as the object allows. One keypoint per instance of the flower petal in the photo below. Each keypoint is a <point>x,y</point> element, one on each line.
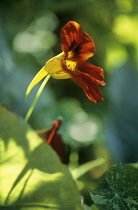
<point>54,139</point>
<point>94,71</point>
<point>85,49</point>
<point>71,36</point>
<point>54,68</point>
<point>90,87</point>
<point>89,83</point>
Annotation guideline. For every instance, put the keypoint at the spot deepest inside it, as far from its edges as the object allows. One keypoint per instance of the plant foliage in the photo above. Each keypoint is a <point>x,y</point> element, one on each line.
<point>118,188</point>
<point>31,173</point>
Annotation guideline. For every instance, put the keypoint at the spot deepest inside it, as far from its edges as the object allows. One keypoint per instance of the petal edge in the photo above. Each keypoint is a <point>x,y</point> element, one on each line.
<point>71,36</point>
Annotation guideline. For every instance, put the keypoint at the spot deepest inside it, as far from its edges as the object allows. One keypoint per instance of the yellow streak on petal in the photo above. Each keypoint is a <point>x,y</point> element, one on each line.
<point>39,76</point>
<point>61,75</point>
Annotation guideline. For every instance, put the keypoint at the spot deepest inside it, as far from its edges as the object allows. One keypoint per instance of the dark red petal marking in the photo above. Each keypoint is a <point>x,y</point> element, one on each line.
<point>94,71</point>
<point>85,49</point>
<point>89,83</point>
<point>71,36</point>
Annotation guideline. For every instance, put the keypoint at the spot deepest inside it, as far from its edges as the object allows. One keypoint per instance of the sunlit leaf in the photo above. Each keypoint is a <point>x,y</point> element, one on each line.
<point>32,175</point>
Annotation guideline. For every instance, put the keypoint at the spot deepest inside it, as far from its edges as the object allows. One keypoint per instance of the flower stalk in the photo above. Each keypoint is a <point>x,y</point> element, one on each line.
<point>36,98</point>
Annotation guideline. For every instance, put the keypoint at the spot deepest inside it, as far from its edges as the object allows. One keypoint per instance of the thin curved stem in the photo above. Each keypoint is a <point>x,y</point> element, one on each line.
<point>36,98</point>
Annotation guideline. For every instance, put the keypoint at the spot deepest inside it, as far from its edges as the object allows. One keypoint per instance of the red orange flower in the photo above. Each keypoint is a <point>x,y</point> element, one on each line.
<point>77,47</point>
<point>54,139</point>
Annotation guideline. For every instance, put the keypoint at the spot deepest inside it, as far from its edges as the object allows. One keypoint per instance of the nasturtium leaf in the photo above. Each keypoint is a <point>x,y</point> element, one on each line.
<point>31,174</point>
<point>118,188</point>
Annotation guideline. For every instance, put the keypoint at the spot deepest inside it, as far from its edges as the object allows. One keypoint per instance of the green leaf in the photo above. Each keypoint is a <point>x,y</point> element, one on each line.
<point>32,176</point>
<point>118,188</point>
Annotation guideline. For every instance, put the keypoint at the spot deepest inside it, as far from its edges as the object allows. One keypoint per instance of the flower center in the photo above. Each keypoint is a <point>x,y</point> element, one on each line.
<point>71,65</point>
<point>70,55</point>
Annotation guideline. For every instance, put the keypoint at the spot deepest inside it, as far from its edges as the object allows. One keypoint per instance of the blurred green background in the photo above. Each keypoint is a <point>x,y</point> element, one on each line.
<point>30,35</point>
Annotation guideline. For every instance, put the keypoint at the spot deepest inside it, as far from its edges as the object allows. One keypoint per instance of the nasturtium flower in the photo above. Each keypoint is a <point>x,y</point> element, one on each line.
<point>54,139</point>
<point>77,47</point>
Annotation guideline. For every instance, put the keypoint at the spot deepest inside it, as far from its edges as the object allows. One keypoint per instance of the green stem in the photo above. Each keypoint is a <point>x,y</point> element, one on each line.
<point>36,98</point>
<point>81,170</point>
